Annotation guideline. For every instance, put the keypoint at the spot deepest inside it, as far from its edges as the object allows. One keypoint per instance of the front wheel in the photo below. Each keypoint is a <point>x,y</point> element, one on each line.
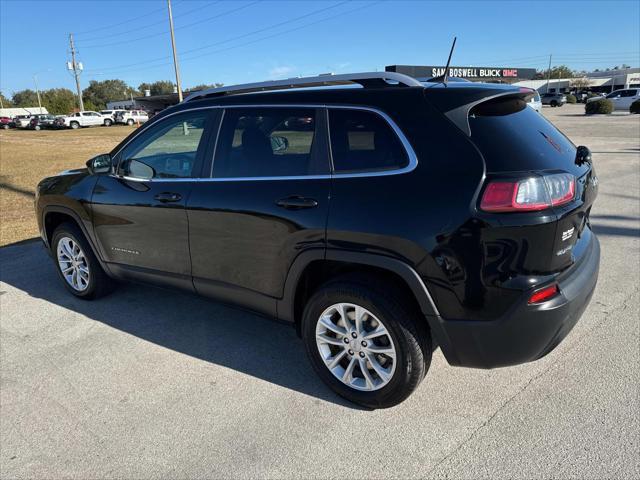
<point>37,128</point>
<point>366,342</point>
<point>554,104</point>
<point>5,126</point>
<point>107,123</point>
<point>77,265</point>
<point>130,122</point>
<point>74,125</point>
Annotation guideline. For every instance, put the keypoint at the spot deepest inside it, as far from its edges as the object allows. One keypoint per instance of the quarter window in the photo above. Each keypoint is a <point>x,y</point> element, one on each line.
<point>363,141</point>
<point>168,150</point>
<point>267,142</point>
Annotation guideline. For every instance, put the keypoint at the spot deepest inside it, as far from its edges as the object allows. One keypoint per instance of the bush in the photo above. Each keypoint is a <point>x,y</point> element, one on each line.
<point>591,95</point>
<point>635,107</point>
<point>571,99</point>
<point>599,106</point>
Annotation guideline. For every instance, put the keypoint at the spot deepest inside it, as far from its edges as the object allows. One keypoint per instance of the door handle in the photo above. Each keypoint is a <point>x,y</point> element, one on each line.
<point>167,197</point>
<point>296,203</point>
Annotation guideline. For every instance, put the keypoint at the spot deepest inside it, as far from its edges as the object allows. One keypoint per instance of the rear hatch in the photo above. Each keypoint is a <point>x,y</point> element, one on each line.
<point>532,168</point>
<point>519,143</point>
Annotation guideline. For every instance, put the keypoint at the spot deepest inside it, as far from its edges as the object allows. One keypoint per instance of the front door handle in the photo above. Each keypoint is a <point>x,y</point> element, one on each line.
<point>167,197</point>
<point>296,203</point>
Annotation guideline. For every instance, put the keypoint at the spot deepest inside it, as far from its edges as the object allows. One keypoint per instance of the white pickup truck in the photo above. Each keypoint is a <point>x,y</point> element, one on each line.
<point>84,119</point>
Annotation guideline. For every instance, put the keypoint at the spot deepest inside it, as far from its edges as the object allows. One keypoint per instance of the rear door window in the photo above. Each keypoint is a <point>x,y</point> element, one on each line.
<point>268,142</point>
<point>363,141</point>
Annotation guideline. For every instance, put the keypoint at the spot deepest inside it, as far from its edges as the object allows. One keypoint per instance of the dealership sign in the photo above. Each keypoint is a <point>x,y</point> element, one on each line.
<point>471,73</point>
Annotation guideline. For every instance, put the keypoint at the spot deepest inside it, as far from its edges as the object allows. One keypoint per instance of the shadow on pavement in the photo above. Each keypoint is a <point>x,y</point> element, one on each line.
<point>178,321</point>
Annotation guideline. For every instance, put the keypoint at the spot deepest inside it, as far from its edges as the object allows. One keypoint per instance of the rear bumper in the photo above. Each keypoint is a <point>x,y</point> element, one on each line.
<point>526,332</point>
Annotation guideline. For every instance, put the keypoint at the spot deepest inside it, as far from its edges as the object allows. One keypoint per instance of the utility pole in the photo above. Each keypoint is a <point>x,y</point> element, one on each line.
<point>35,80</point>
<point>76,71</point>
<point>175,54</point>
<point>548,74</point>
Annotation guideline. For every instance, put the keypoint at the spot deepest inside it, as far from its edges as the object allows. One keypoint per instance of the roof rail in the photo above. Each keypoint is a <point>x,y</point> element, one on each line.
<point>367,80</point>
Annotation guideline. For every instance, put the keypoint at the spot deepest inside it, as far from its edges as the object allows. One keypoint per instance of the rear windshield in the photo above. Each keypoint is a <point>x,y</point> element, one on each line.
<point>514,137</point>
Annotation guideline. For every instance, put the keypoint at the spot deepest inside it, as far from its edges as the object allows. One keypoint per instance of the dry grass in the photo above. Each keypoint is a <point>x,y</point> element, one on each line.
<point>27,156</point>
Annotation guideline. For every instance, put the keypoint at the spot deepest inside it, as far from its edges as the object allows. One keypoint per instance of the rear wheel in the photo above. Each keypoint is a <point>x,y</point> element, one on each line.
<point>5,126</point>
<point>74,125</point>
<point>365,342</point>
<point>554,103</point>
<point>77,265</point>
<point>130,122</point>
<point>37,128</point>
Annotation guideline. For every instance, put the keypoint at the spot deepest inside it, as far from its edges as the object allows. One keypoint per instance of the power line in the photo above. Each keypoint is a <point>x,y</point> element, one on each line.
<point>160,22</point>
<point>146,15</point>
<point>259,39</point>
<point>131,40</point>
<point>186,52</point>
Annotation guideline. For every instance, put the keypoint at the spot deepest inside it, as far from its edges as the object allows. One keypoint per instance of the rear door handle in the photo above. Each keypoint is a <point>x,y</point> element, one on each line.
<point>167,197</point>
<point>296,203</point>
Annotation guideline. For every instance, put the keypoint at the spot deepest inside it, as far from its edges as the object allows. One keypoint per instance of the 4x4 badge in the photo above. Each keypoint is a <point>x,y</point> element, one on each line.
<point>567,234</point>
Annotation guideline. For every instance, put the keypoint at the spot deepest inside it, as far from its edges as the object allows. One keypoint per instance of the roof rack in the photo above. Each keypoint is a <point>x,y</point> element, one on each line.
<point>367,80</point>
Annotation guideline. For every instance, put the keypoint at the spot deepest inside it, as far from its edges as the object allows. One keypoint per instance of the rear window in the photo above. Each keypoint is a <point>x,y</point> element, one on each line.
<point>363,141</point>
<point>513,137</point>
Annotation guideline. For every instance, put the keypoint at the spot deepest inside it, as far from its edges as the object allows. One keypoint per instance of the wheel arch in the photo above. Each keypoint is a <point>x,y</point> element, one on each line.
<point>313,268</point>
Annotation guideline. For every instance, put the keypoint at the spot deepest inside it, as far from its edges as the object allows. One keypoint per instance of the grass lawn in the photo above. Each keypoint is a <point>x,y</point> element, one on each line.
<point>27,156</point>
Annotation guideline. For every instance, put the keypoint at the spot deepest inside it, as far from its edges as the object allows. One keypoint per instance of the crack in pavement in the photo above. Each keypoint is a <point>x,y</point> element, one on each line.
<point>579,341</point>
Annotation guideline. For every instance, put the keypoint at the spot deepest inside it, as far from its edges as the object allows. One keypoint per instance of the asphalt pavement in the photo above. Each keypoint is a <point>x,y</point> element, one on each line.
<point>148,383</point>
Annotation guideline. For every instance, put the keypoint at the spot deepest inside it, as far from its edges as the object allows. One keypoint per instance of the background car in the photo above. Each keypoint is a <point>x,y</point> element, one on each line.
<point>22,121</point>
<point>38,122</point>
<point>6,123</point>
<point>110,114</point>
<point>130,117</point>
<point>554,99</point>
<point>84,119</point>
<point>621,99</point>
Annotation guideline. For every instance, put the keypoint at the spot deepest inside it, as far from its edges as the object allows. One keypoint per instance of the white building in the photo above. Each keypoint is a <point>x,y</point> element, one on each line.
<point>12,112</point>
<point>606,81</point>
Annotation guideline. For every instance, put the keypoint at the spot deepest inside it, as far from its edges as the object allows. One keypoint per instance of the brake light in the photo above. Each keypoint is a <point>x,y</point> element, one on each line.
<point>530,194</point>
<point>544,294</point>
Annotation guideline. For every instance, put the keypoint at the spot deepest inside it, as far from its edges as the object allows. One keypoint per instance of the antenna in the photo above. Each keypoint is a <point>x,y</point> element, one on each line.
<point>443,77</point>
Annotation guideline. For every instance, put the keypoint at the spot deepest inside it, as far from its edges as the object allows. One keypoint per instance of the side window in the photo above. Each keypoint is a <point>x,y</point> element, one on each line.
<point>363,141</point>
<point>267,142</point>
<point>167,150</point>
<point>628,93</point>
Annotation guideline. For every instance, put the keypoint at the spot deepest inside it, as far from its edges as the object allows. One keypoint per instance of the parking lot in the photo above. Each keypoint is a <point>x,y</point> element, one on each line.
<point>148,383</point>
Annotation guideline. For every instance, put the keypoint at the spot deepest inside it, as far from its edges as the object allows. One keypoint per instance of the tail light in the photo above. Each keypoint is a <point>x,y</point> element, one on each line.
<point>544,294</point>
<point>530,194</point>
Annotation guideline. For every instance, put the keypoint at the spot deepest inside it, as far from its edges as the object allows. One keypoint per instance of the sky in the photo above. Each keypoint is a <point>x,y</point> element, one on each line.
<point>237,41</point>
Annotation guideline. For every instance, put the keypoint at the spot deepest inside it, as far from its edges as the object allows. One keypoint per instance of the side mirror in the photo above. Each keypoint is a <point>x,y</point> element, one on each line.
<point>583,155</point>
<point>279,144</point>
<point>100,164</point>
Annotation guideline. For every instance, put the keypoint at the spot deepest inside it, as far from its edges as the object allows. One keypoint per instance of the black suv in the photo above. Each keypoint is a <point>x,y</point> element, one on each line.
<point>381,221</point>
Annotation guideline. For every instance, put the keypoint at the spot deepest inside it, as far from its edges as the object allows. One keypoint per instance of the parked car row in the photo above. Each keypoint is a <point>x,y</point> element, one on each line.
<point>75,120</point>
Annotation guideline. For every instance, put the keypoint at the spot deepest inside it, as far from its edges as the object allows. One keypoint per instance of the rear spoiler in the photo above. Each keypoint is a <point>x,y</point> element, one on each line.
<point>456,103</point>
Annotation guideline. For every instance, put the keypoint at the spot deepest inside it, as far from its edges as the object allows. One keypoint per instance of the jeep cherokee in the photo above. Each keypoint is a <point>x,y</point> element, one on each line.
<point>382,217</point>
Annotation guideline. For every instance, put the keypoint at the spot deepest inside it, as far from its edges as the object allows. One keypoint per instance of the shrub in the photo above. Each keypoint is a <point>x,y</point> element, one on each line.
<point>571,99</point>
<point>635,107</point>
<point>599,106</point>
<point>591,95</point>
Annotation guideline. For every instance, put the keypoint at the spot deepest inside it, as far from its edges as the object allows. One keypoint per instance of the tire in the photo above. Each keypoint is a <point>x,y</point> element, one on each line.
<point>406,333</point>
<point>95,283</point>
<point>130,122</point>
<point>5,127</point>
<point>107,123</point>
<point>37,128</point>
<point>74,125</point>
<point>554,103</point>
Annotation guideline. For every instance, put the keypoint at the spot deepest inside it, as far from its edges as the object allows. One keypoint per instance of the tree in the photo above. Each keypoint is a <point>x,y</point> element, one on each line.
<point>559,71</point>
<point>25,98</point>
<point>580,83</point>
<point>99,93</point>
<point>58,100</point>
<point>204,86</point>
<point>161,87</point>
<point>6,103</point>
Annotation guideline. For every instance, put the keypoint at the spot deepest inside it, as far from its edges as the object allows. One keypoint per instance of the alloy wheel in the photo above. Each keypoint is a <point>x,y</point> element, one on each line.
<point>73,264</point>
<point>356,347</point>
